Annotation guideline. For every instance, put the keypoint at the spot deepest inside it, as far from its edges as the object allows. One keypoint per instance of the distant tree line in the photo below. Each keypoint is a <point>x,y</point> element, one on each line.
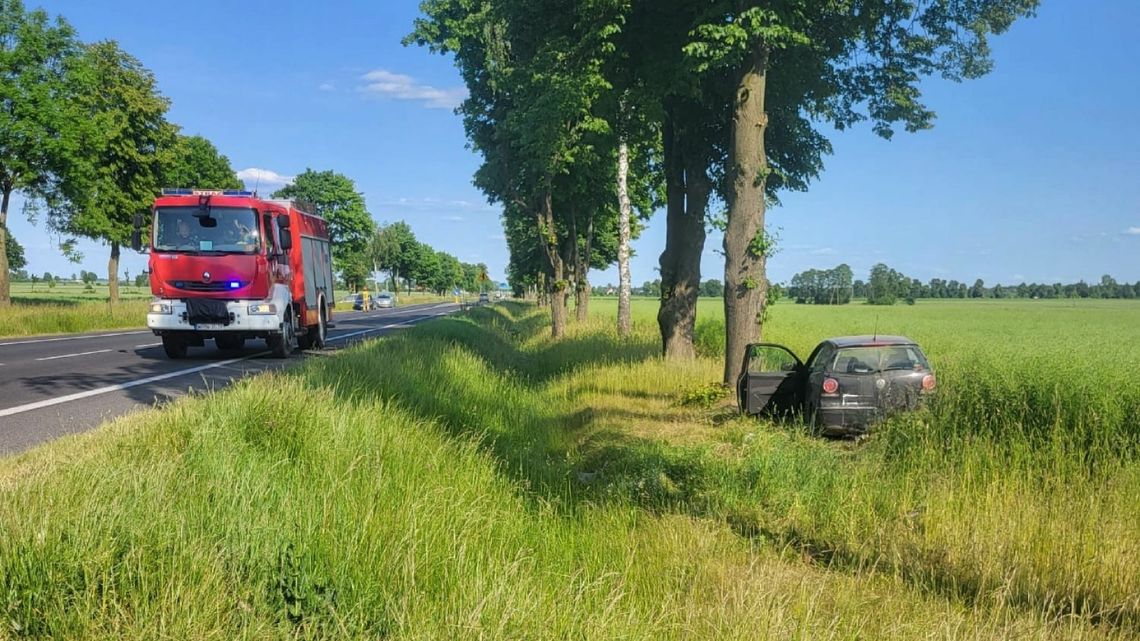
<point>886,286</point>
<point>394,249</point>
<point>711,288</point>
<point>823,286</point>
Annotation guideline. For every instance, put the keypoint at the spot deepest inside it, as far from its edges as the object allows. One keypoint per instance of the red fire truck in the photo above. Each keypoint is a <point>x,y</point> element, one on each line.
<point>228,266</point>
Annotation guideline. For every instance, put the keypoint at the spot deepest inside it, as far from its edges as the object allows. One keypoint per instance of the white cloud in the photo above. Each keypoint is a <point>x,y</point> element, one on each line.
<point>254,177</point>
<point>402,87</point>
<point>454,219</point>
<point>822,251</point>
<point>327,86</point>
<point>1132,231</point>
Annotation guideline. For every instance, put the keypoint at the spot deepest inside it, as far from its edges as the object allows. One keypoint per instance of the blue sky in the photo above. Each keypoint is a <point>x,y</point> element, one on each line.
<point>1030,173</point>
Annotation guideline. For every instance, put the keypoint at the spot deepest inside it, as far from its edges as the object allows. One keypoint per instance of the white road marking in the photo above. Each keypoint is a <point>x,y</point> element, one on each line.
<point>28,407</point>
<point>147,345</point>
<point>72,338</point>
<point>52,358</point>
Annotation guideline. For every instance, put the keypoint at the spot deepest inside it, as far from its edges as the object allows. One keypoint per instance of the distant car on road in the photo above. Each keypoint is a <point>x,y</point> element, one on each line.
<point>484,298</point>
<point>847,384</point>
<point>384,300</point>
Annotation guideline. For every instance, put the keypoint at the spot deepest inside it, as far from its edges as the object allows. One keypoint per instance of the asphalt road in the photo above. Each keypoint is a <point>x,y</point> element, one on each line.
<point>59,385</point>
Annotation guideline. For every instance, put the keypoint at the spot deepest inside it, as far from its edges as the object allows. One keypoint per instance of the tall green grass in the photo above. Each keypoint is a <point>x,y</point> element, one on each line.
<point>473,479</point>
<point>32,317</point>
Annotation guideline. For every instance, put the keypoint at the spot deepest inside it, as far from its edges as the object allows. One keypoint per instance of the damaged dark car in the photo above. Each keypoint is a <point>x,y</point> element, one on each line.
<point>847,384</point>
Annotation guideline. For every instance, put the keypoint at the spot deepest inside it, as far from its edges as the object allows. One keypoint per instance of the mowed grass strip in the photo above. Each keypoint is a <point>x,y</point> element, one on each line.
<point>435,486</point>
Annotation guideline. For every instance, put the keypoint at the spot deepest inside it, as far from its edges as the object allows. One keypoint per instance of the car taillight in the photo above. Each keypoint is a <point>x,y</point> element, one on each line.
<point>830,386</point>
<point>928,383</point>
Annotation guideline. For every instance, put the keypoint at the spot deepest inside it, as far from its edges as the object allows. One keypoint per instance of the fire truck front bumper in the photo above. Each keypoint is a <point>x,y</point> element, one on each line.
<point>248,318</point>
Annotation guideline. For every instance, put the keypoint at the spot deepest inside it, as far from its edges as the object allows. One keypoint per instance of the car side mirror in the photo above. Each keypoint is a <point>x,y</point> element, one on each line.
<point>286,240</point>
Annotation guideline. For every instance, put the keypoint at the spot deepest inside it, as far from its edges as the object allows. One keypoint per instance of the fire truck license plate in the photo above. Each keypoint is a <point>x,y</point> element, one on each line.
<point>208,326</point>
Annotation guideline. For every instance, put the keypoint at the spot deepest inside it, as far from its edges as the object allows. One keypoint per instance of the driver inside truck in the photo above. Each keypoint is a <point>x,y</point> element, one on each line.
<point>183,237</point>
<point>243,235</point>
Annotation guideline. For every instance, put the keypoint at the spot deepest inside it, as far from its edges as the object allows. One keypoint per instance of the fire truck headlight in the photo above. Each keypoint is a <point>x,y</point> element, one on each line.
<point>263,308</point>
<point>159,308</point>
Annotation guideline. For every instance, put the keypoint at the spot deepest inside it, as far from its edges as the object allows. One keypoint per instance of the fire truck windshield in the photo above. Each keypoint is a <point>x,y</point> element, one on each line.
<point>230,230</point>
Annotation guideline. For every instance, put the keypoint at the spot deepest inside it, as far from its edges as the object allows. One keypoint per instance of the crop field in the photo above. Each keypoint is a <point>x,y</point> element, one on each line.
<point>471,478</point>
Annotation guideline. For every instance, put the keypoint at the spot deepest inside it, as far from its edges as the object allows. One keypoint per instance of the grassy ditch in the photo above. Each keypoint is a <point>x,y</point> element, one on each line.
<point>472,479</point>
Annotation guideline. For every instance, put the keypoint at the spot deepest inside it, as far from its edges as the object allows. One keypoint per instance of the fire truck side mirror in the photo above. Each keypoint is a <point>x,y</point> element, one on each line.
<point>136,235</point>
<point>286,237</point>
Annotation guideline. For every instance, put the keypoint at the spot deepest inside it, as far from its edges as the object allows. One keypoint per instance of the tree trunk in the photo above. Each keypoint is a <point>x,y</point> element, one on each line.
<point>687,192</point>
<point>5,287</point>
<point>559,294</point>
<point>624,233</point>
<point>745,247</point>
<point>582,304</point>
<point>113,273</point>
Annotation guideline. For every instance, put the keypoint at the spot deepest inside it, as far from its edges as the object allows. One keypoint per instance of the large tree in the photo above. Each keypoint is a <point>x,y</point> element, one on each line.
<point>194,161</point>
<point>391,250</point>
<point>533,71</point>
<point>112,167</point>
<point>794,64</point>
<point>334,197</point>
<point>34,51</point>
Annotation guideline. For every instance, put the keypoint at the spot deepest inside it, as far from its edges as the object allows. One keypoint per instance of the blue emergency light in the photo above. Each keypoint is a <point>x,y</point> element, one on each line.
<point>234,284</point>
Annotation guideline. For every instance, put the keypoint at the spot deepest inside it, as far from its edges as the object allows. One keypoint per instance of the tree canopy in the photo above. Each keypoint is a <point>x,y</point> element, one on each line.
<point>334,197</point>
<point>111,167</point>
<point>34,54</point>
<point>195,162</point>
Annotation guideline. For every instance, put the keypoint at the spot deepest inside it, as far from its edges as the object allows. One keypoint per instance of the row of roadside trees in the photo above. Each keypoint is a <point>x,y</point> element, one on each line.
<point>85,138</point>
<point>586,113</point>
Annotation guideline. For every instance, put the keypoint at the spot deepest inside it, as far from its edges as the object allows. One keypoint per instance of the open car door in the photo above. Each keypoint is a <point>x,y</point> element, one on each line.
<point>771,380</point>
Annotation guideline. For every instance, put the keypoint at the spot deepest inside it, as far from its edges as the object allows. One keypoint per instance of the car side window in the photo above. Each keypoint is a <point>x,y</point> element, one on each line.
<point>770,358</point>
<point>822,359</point>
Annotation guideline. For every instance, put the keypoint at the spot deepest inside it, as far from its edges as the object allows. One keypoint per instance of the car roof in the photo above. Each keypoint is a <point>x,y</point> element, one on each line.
<point>869,341</point>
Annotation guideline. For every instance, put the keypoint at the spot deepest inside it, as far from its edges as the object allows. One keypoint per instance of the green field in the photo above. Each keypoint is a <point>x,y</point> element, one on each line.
<point>70,308</point>
<point>472,478</point>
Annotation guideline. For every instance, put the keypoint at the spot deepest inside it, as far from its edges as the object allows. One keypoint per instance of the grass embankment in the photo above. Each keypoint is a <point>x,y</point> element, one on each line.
<point>472,479</point>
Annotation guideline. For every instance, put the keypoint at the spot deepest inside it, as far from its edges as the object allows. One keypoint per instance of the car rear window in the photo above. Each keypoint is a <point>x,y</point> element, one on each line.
<point>878,358</point>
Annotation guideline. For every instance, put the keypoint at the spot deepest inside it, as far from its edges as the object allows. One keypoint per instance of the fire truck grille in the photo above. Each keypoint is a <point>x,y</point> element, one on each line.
<point>198,286</point>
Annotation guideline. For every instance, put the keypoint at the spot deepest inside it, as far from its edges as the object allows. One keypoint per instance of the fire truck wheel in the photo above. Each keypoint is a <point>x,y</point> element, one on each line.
<point>282,344</point>
<point>322,329</point>
<point>174,347</point>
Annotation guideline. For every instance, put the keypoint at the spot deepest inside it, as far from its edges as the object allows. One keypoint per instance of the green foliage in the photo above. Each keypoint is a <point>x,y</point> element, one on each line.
<point>334,197</point>
<point>823,287</point>
<point>15,251</point>
<point>114,159</point>
<point>34,53</point>
<point>705,395</point>
<point>885,285</point>
<point>195,162</point>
